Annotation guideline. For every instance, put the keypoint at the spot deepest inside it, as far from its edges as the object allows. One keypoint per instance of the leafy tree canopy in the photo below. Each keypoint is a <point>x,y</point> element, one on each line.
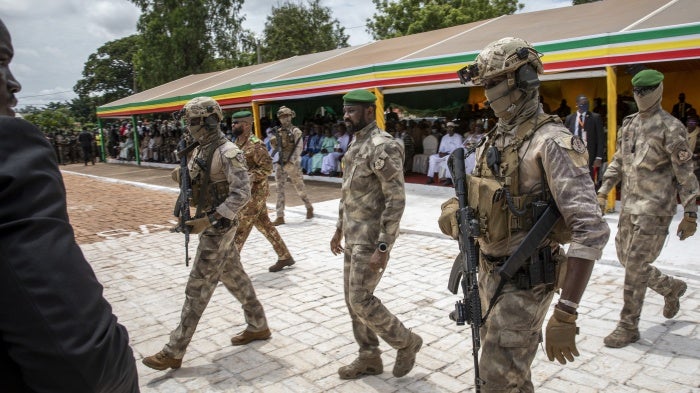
<point>183,37</point>
<point>55,116</point>
<point>403,17</point>
<point>293,29</point>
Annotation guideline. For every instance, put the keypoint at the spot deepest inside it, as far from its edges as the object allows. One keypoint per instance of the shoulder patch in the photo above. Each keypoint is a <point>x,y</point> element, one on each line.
<point>232,151</point>
<point>255,139</point>
<point>684,155</point>
<point>578,145</point>
<point>575,147</point>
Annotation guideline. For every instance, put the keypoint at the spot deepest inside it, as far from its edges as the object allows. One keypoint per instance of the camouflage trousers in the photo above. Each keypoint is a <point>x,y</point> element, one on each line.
<point>293,171</point>
<point>217,260</point>
<point>511,334</point>
<point>255,214</point>
<point>638,242</point>
<point>370,318</point>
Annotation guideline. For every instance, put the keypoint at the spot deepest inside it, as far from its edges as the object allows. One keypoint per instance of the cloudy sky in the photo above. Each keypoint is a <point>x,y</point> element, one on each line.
<point>53,38</point>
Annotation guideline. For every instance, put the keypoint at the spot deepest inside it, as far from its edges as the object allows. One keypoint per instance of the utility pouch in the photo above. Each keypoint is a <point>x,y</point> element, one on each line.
<point>488,200</point>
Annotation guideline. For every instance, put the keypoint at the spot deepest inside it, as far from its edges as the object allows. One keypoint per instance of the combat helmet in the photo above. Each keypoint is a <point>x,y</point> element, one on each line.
<point>285,111</point>
<point>202,107</point>
<point>502,57</point>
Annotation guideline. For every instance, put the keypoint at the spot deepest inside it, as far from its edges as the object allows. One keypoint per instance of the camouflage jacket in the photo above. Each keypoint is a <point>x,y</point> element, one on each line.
<point>289,143</point>
<point>654,162</point>
<point>565,164</point>
<point>258,159</point>
<point>228,168</point>
<point>372,196</point>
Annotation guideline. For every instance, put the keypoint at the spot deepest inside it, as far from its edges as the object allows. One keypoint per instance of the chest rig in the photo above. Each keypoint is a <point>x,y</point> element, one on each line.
<point>287,143</point>
<point>206,195</point>
<point>502,208</point>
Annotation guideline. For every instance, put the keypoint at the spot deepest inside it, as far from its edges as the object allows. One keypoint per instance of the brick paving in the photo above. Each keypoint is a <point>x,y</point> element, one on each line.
<point>144,276</point>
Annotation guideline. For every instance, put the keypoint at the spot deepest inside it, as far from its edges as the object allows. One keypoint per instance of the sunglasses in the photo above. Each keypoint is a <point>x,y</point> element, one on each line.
<point>643,90</point>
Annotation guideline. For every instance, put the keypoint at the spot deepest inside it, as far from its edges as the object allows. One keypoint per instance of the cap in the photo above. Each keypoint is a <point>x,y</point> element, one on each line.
<point>241,114</point>
<point>450,124</point>
<point>359,96</point>
<point>647,78</point>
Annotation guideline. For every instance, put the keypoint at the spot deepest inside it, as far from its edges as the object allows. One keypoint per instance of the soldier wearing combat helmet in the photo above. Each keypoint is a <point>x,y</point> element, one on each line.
<point>654,163</point>
<point>220,189</point>
<point>529,157</point>
<point>288,144</point>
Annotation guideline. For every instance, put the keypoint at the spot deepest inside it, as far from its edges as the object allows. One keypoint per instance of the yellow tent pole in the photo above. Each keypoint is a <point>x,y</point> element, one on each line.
<point>611,79</point>
<point>379,112</point>
<point>256,119</point>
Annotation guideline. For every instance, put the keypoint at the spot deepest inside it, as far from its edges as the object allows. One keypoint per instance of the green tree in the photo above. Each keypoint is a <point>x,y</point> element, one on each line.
<point>183,37</point>
<point>404,17</point>
<point>108,75</point>
<point>55,116</point>
<point>293,29</point>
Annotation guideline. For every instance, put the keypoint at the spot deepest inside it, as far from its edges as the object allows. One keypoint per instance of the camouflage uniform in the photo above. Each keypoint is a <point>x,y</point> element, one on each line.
<point>652,161</point>
<point>255,211</point>
<point>288,142</point>
<point>512,332</point>
<point>217,258</point>
<point>371,205</point>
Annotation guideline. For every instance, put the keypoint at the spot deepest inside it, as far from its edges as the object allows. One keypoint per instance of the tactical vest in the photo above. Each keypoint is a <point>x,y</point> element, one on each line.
<point>206,196</point>
<point>287,143</point>
<point>500,206</point>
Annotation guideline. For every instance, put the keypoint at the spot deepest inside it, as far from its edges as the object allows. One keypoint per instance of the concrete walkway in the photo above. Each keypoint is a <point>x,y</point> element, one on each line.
<point>144,278</point>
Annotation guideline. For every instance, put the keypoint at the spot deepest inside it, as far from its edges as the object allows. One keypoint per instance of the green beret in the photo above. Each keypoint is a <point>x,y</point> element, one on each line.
<point>647,78</point>
<point>359,96</point>
<point>242,114</point>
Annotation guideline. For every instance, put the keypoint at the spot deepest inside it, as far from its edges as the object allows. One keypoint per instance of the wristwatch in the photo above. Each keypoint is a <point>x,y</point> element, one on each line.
<point>213,220</point>
<point>382,247</point>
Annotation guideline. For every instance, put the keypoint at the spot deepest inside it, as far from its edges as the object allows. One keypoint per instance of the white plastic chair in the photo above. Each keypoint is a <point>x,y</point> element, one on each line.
<point>420,161</point>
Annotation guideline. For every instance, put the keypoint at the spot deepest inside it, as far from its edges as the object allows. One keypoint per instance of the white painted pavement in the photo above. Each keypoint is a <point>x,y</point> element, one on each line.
<point>144,278</point>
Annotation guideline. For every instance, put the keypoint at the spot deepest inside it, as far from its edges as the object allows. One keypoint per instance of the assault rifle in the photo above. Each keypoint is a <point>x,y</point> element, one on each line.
<point>468,309</point>
<point>182,206</point>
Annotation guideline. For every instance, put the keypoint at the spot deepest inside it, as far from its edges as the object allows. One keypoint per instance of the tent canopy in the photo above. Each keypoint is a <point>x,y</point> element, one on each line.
<point>584,37</point>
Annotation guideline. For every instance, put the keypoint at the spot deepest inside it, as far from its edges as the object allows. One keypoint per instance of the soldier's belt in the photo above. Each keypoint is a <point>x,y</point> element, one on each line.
<point>540,268</point>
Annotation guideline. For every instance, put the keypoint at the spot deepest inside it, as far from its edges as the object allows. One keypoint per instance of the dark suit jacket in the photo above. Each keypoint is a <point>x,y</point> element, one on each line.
<point>595,136</point>
<point>57,331</point>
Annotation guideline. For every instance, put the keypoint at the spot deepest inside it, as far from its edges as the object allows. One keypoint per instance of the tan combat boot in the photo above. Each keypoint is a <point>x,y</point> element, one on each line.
<point>310,213</point>
<point>278,221</point>
<point>281,264</point>
<point>247,336</point>
<point>161,361</point>
<point>621,337</point>
<point>671,301</point>
<point>406,357</point>
<point>362,366</point>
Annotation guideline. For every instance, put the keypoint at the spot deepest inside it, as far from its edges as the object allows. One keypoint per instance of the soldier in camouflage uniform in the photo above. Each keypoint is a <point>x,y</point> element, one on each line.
<point>371,204</point>
<point>532,157</point>
<point>653,161</point>
<point>255,211</point>
<point>220,189</point>
<point>288,144</point>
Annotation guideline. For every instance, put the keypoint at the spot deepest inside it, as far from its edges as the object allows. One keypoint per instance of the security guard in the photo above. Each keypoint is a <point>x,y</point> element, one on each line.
<point>528,157</point>
<point>288,144</point>
<point>220,189</point>
<point>654,163</point>
<point>371,205</point>
<point>255,211</point>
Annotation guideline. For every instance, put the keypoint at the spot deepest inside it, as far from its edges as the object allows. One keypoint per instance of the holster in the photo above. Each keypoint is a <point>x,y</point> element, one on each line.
<point>540,269</point>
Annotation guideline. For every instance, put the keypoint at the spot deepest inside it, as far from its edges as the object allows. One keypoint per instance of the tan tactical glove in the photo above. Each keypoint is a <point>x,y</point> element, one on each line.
<point>198,225</point>
<point>602,202</point>
<point>448,218</point>
<point>687,227</point>
<point>561,336</point>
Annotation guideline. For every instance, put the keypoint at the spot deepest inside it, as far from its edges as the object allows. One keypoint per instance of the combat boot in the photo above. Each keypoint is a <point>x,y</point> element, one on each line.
<point>406,357</point>
<point>281,264</point>
<point>161,361</point>
<point>247,336</point>
<point>621,337</point>
<point>362,366</point>
<point>278,221</point>
<point>671,301</point>
<point>310,213</point>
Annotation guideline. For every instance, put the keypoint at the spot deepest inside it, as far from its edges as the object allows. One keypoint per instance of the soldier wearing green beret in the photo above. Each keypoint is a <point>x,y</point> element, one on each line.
<point>371,205</point>
<point>653,162</point>
<point>255,211</point>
